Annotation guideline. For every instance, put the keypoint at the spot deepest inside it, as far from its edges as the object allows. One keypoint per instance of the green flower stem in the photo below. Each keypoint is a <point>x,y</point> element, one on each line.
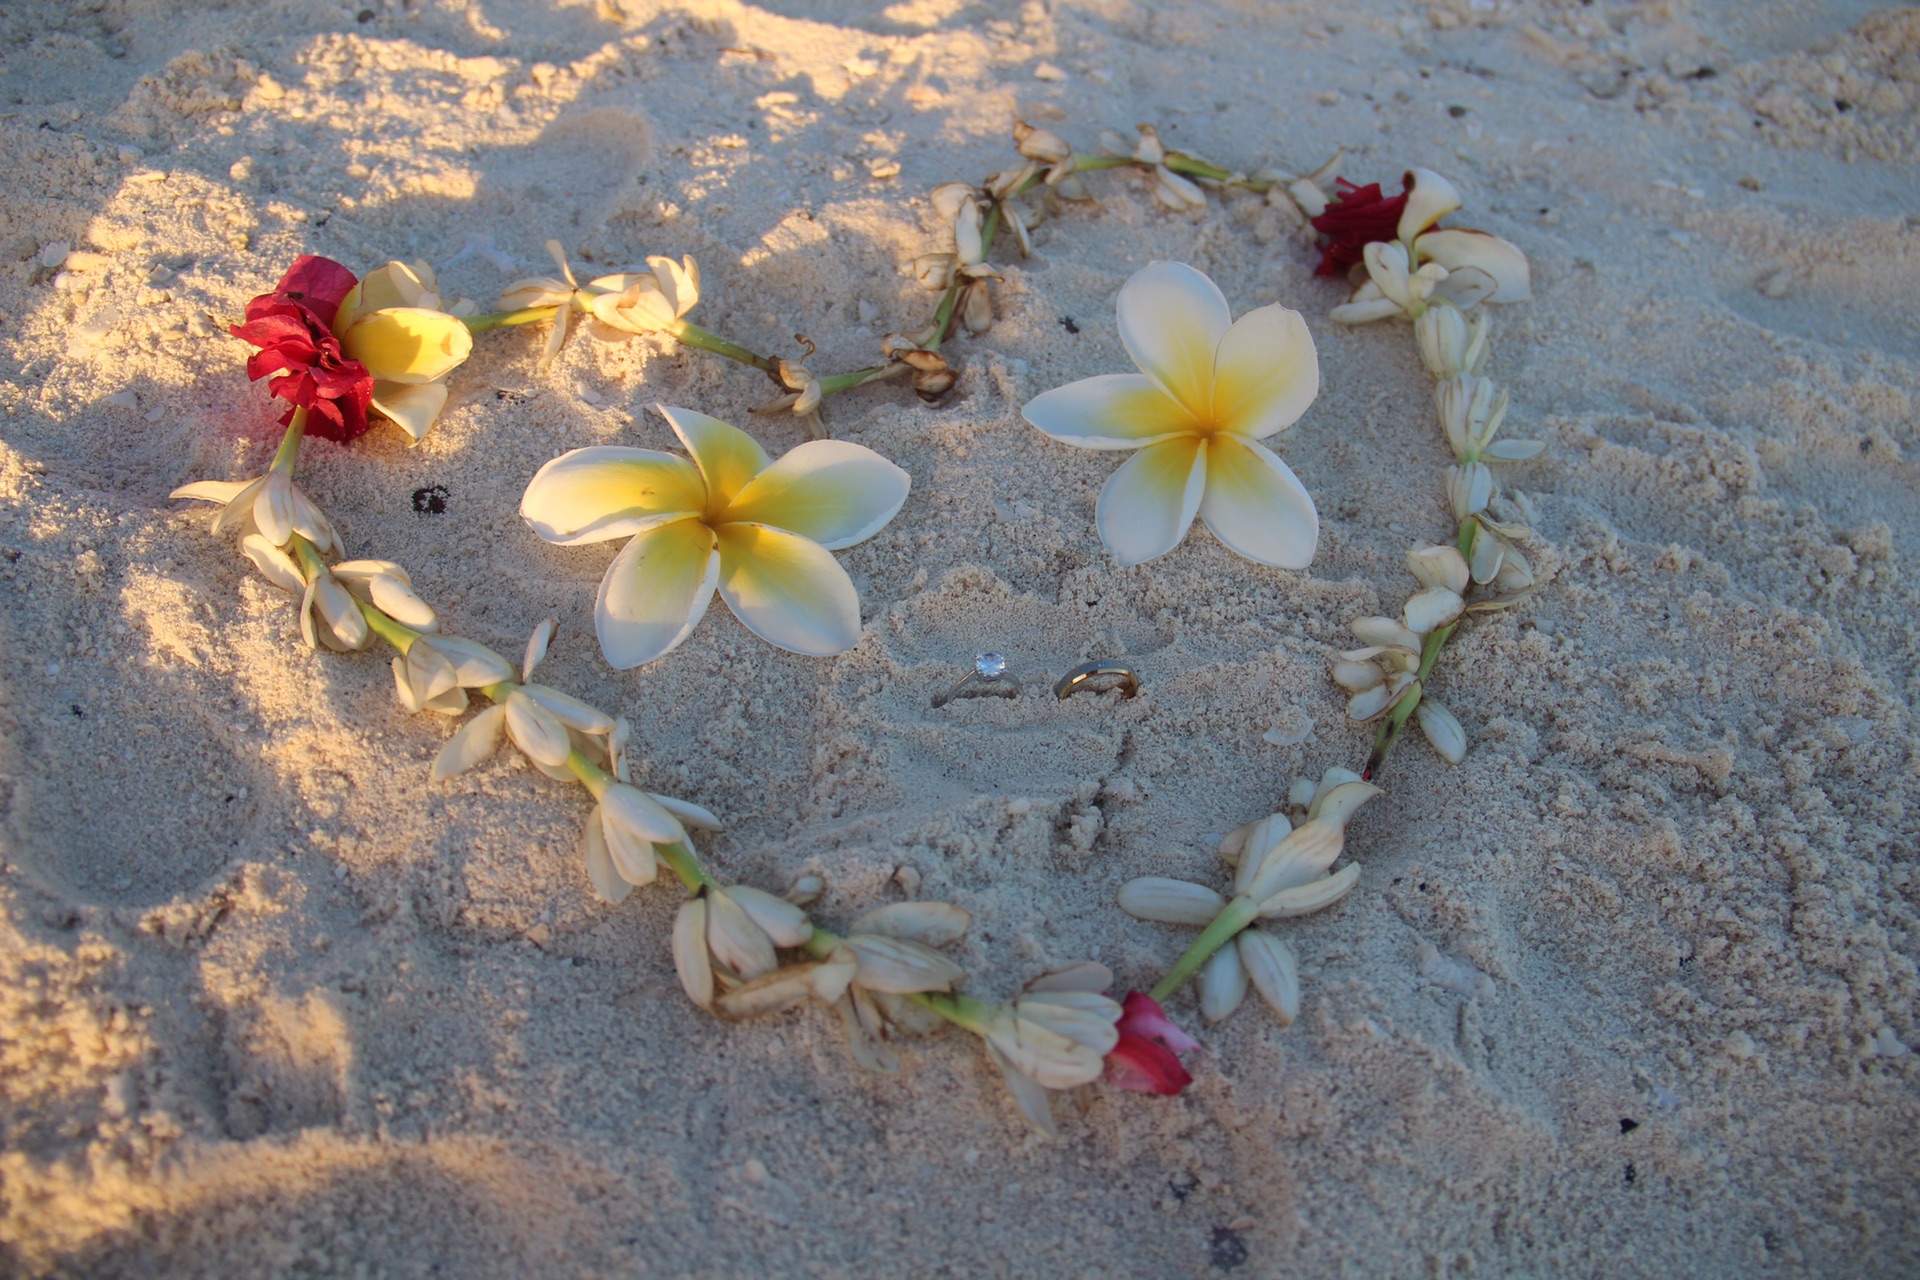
<point>943,318</point>
<point>397,634</point>
<point>680,860</point>
<point>834,384</point>
<point>1087,164</point>
<point>1389,731</point>
<point>508,319</point>
<point>1194,167</point>
<point>289,451</point>
<point>1226,926</point>
<point>694,336</point>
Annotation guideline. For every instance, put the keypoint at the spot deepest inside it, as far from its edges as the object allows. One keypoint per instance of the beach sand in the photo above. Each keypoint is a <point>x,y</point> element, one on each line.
<point>1627,993</point>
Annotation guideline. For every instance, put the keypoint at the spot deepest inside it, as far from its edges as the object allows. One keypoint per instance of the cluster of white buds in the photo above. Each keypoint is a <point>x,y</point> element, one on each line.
<point>1306,191</point>
<point>866,977</point>
<point>547,726</point>
<point>803,390</point>
<point>271,506</point>
<point>932,376</point>
<point>1176,192</point>
<point>269,513</point>
<point>963,207</point>
<point>1280,870</point>
<point>1424,264</point>
<point>623,304</point>
<point>1051,155</point>
<point>1386,671</point>
<point>1386,677</point>
<point>1054,1035</point>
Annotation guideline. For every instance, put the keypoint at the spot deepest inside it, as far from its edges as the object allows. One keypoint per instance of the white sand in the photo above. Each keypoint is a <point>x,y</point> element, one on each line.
<point>271,1004</point>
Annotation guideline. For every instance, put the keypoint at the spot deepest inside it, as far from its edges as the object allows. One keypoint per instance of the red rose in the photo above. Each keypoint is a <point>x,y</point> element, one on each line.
<point>1146,1060</point>
<point>1356,218</point>
<point>293,327</point>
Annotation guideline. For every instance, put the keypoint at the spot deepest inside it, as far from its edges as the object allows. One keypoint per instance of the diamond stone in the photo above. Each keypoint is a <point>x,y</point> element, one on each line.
<point>990,665</point>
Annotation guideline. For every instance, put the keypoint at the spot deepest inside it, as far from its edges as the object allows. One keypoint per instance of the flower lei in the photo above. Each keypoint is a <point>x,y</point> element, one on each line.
<point>345,352</point>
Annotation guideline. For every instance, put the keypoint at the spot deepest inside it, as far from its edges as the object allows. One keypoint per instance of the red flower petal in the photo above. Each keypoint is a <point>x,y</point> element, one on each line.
<point>1141,1014</point>
<point>320,284</point>
<point>1146,1059</point>
<point>1357,217</point>
<point>1139,1065</point>
<point>299,354</point>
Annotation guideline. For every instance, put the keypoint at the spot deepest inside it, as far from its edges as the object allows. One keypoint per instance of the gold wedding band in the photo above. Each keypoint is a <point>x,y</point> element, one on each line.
<point>1072,682</point>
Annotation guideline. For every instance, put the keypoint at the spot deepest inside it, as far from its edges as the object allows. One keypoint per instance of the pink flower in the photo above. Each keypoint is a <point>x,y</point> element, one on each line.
<point>293,327</point>
<point>1146,1060</point>
<point>1358,216</point>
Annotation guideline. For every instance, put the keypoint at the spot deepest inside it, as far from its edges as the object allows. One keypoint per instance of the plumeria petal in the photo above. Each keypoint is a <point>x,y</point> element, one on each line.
<point>478,739</point>
<point>408,344</point>
<point>1366,305</point>
<point>1256,505</point>
<point>831,491</point>
<point>605,878</point>
<point>1265,373</point>
<point>788,590</point>
<point>1111,411</point>
<point>411,408</point>
<point>1464,287</point>
<point>1146,506</point>
<point>610,491</point>
<point>220,491</point>
<point>1456,248</point>
<point>696,816</point>
<point>1430,198</point>
<point>655,592</point>
<point>1028,1095</point>
<point>1172,319</point>
<point>535,731</point>
<point>690,958</point>
<point>1223,984</point>
<point>275,565</point>
<point>1389,270</point>
<point>727,456</point>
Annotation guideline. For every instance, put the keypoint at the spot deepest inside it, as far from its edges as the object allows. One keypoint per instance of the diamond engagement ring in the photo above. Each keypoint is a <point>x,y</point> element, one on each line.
<point>988,668</point>
<point>1076,679</point>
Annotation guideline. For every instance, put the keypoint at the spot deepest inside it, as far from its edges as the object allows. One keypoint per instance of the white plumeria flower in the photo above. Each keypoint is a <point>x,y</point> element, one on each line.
<point>627,303</point>
<point>1171,189</point>
<point>271,505</point>
<point>1281,871</point>
<point>395,324</point>
<point>760,532</point>
<point>1427,265</point>
<point>1210,388</point>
